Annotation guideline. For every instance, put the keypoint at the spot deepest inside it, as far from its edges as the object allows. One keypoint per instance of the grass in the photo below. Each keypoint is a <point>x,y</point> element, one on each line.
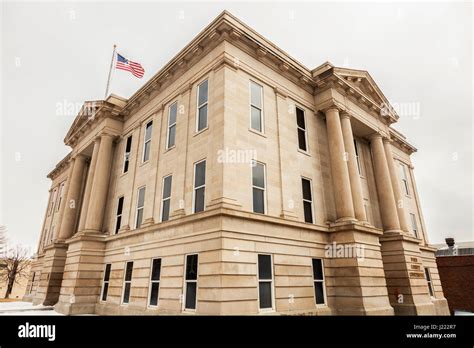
<point>10,299</point>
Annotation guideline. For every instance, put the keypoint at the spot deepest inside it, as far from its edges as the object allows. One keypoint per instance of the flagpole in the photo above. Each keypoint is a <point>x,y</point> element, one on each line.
<point>110,72</point>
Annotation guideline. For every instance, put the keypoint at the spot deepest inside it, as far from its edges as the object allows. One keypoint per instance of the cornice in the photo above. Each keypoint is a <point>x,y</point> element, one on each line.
<point>60,167</point>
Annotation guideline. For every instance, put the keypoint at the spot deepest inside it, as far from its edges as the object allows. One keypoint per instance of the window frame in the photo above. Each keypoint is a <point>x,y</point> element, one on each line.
<point>117,215</point>
<point>126,155</point>
<point>262,118</point>
<point>196,188</point>
<point>146,141</point>
<point>358,158</point>
<point>163,199</point>
<point>305,200</point>
<point>414,225</point>
<point>271,281</point>
<point>32,283</point>
<point>199,106</point>
<point>186,281</point>
<point>105,282</point>
<point>125,282</point>
<point>137,207</point>
<point>151,282</point>
<point>405,183</point>
<point>168,146</point>
<point>52,203</point>
<point>60,195</point>
<point>305,130</point>
<point>259,188</point>
<point>323,281</point>
<point>429,281</point>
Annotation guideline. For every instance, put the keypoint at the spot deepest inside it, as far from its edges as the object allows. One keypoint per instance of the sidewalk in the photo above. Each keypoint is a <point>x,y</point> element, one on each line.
<point>25,308</point>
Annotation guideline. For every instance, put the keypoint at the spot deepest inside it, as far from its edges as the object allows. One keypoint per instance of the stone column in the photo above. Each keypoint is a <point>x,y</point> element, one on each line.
<point>402,217</point>
<point>339,170</point>
<point>88,189</point>
<point>388,208</point>
<point>100,185</point>
<point>74,191</point>
<point>354,176</point>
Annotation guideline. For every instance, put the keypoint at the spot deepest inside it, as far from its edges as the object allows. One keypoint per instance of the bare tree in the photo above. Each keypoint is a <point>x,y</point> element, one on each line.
<point>16,265</point>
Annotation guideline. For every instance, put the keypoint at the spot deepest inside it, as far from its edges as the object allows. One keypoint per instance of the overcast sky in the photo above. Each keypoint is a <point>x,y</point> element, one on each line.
<point>56,55</point>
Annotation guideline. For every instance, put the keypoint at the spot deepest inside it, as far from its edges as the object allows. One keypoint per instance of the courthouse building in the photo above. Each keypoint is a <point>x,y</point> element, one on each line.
<point>220,186</point>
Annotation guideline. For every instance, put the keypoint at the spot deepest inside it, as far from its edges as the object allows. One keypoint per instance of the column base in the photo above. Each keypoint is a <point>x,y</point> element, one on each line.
<point>83,272</point>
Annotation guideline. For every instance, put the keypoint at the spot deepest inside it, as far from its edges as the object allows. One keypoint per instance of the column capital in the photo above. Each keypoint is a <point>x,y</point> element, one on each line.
<point>332,105</point>
<point>345,114</point>
<point>280,93</point>
<point>377,135</point>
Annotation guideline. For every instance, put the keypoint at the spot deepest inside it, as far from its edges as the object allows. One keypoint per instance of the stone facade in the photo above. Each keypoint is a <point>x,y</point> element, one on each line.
<point>329,127</point>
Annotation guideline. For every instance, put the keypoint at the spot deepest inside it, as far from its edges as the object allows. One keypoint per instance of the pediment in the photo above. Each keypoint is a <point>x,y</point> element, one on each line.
<point>87,111</point>
<point>362,82</point>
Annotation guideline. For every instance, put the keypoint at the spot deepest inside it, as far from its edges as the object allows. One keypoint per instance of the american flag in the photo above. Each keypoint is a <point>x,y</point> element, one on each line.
<point>125,64</point>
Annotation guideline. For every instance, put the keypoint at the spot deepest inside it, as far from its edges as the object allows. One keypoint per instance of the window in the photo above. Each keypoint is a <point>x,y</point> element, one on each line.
<point>256,108</point>
<point>172,114</point>
<point>118,219</point>
<point>307,200</point>
<point>147,144</point>
<point>301,124</point>
<point>155,282</point>
<point>430,283</point>
<point>140,205</point>
<point>51,203</point>
<point>199,186</point>
<point>265,282</point>
<point>404,178</point>
<point>51,235</point>
<point>318,278</point>
<point>191,281</point>
<point>32,282</point>
<point>414,225</point>
<point>368,213</point>
<point>61,193</point>
<point>105,282</point>
<point>357,157</point>
<point>201,121</point>
<point>258,187</point>
<point>127,284</point>
<point>126,156</point>
<point>165,206</point>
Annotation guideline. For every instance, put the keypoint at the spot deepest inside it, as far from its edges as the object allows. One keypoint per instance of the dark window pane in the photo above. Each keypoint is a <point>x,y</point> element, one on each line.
<point>427,274</point>
<point>146,153</point>
<point>308,212</point>
<point>202,118</point>
<point>165,215</point>
<point>306,189</point>
<point>200,174</point>
<point>155,287</point>
<point>356,148</point>
<point>265,294</point>
<point>120,206</point>
<point>301,140</point>
<point>256,119</point>
<point>128,273</point>
<point>125,165</point>
<point>173,113</point>
<point>264,267</point>
<point>105,291</point>
<point>128,147</point>
<point>319,292</point>
<point>258,201</point>
<point>156,269</point>
<point>317,269</point>
<point>190,296</point>
<point>172,136</point>
<point>256,95</point>
<point>139,217</point>
<point>199,200</point>
<point>258,175</point>
<point>118,223</point>
<point>148,129</point>
<point>203,87</point>
<point>191,267</point>
<point>107,272</point>
<point>126,293</point>
<point>167,187</point>
<point>300,118</point>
